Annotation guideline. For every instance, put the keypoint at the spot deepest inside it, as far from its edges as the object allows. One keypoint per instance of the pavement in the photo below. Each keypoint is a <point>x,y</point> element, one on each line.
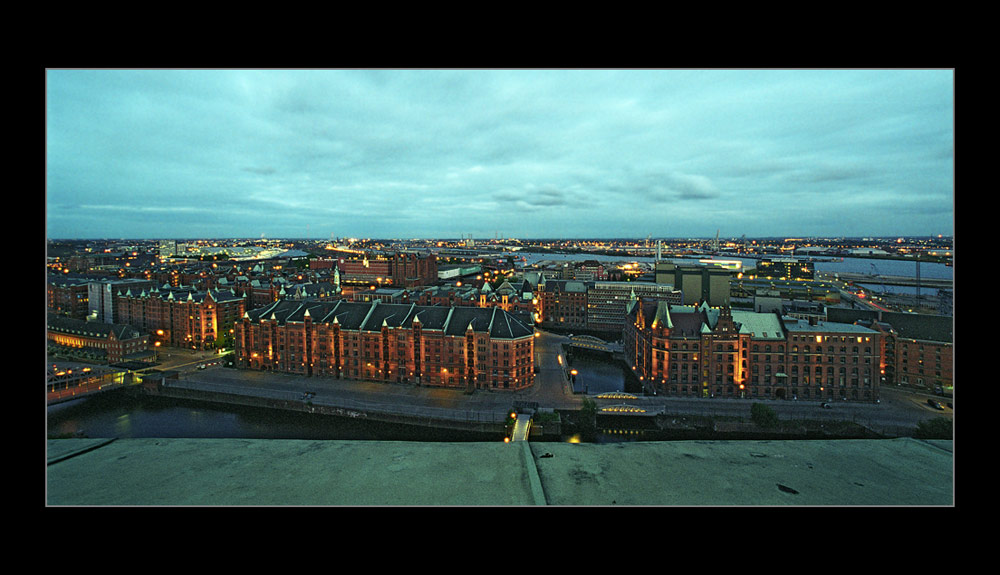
<point>243,472</point>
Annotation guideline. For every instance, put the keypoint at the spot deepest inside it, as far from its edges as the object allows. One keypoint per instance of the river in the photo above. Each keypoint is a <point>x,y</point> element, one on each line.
<point>885,267</point>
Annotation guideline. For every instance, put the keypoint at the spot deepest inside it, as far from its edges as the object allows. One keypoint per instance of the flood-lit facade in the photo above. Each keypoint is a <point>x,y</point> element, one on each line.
<point>456,347</point>
<point>183,318</point>
<point>700,351</point>
<point>110,343</point>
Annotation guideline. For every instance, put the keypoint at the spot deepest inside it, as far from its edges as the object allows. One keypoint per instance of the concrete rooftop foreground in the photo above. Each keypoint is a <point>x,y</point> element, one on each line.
<point>245,472</point>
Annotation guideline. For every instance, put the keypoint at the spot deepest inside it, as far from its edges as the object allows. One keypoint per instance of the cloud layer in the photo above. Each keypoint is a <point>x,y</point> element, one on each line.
<point>521,153</point>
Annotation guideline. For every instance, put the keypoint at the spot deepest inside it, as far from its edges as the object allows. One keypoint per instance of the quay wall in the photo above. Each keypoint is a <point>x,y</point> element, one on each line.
<point>461,421</point>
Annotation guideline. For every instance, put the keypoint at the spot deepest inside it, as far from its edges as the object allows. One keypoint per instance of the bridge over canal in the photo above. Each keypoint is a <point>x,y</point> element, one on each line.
<point>592,343</point>
<point>66,381</point>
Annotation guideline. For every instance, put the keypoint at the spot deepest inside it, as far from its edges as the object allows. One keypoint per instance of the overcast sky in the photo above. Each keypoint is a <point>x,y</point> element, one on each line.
<point>514,153</point>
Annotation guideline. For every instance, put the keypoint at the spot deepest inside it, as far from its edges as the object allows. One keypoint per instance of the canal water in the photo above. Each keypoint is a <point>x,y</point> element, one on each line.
<point>597,375</point>
<point>121,415</point>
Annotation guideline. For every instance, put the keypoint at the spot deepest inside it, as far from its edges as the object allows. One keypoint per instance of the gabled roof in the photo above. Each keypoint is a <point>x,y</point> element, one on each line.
<point>371,317</point>
<point>391,315</point>
<point>351,315</point>
<point>759,325</point>
<point>505,326</point>
<point>686,323</point>
<point>662,316</point>
<point>464,316</point>
<point>432,316</point>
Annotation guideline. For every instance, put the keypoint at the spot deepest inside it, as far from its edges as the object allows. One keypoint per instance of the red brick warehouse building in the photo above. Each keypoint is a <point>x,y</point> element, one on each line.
<point>106,342</point>
<point>918,349</point>
<point>460,347</point>
<point>183,318</point>
<point>718,352</point>
<point>401,269</point>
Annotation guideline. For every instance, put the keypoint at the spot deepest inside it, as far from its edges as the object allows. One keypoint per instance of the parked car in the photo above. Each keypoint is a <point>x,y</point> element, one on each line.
<point>935,405</point>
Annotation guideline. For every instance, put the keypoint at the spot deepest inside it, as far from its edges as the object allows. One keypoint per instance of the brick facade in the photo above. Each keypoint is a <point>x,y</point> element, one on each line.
<point>183,318</point>
<point>459,347</point>
<point>698,351</point>
<point>114,343</point>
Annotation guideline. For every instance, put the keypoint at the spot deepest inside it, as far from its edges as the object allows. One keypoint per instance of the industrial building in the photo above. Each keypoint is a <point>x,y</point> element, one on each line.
<point>699,281</point>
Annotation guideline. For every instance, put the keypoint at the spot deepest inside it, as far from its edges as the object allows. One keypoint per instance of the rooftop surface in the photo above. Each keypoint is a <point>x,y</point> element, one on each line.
<point>245,472</point>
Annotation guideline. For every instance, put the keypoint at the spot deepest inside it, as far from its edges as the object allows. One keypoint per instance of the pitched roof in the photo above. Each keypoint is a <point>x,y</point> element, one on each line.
<point>371,316</point>
<point>63,324</point>
<point>759,325</point>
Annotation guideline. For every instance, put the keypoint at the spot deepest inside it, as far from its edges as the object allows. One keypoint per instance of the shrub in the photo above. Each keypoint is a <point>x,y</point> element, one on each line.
<point>763,415</point>
<point>937,428</point>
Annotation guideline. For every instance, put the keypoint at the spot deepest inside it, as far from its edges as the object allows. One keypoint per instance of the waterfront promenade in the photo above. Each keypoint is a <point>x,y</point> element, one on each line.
<point>410,402</point>
<point>898,413</point>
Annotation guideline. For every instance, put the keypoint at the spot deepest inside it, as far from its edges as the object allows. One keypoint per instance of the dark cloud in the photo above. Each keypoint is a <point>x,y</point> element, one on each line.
<point>607,146</point>
<point>541,198</point>
<point>261,171</point>
<point>663,187</point>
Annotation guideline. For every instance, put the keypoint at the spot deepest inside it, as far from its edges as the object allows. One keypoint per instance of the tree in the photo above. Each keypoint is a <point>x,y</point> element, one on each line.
<point>588,415</point>
<point>763,416</point>
<point>937,428</point>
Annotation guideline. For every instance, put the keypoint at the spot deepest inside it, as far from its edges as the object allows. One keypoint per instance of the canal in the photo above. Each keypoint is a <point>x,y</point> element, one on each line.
<point>597,374</point>
<point>124,415</point>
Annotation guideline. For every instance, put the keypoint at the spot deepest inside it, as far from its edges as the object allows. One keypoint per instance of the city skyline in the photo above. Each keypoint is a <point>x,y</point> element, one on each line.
<point>517,153</point>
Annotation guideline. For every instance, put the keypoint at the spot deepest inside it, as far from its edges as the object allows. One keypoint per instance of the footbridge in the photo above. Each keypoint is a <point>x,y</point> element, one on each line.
<point>593,343</point>
<point>522,427</point>
<point>68,381</point>
<point>626,404</point>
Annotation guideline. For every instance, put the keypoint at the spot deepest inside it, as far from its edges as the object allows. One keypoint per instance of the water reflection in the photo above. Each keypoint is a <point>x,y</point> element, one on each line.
<point>596,374</point>
<point>123,417</point>
<point>123,425</point>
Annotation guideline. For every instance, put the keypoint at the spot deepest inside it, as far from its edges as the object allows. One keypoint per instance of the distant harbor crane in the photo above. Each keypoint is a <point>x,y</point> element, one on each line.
<point>876,273</point>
